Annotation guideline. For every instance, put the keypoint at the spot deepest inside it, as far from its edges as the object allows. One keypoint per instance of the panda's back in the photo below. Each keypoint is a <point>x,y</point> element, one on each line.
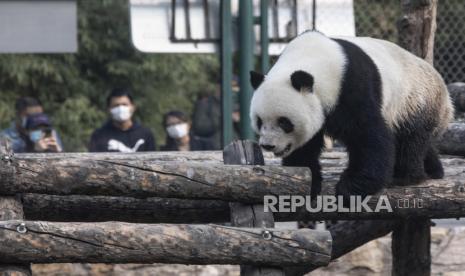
<point>410,86</point>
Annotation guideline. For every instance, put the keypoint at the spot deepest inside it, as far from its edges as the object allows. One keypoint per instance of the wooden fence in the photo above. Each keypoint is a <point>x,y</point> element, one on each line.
<point>58,207</point>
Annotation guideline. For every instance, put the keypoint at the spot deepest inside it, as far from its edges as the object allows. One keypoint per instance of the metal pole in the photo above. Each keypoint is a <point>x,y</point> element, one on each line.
<point>264,39</point>
<point>246,61</point>
<point>226,71</point>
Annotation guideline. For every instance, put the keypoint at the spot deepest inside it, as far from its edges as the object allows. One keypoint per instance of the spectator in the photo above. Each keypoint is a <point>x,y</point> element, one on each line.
<point>206,122</point>
<point>41,135</point>
<point>121,133</point>
<point>178,138</point>
<point>17,133</point>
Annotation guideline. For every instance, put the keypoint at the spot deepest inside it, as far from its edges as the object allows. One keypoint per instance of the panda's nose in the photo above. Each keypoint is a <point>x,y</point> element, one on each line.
<point>267,147</point>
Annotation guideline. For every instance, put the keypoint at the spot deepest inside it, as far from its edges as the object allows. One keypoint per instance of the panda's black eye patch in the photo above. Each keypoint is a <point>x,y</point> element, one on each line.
<point>285,124</point>
<point>259,122</point>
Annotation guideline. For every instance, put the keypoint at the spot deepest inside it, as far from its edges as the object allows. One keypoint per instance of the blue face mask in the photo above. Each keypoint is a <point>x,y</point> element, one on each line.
<point>35,135</point>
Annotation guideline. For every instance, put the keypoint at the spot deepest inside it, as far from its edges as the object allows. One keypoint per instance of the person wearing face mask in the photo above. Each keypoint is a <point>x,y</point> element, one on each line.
<point>121,133</point>
<point>17,133</point>
<point>178,136</point>
<point>41,135</point>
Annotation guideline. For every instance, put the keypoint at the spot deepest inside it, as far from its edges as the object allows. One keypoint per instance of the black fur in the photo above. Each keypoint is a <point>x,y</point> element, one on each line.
<point>416,157</point>
<point>301,80</point>
<point>256,79</point>
<point>357,121</point>
<point>433,166</point>
<point>307,156</point>
<point>376,152</point>
<point>285,124</point>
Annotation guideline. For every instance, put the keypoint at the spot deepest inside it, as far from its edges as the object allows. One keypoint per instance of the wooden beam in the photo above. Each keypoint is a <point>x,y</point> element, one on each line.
<point>347,236</point>
<point>11,208</point>
<point>116,242</point>
<point>151,179</point>
<point>432,199</point>
<point>411,242</point>
<point>104,208</point>
<point>249,215</point>
<point>165,156</point>
<point>411,239</point>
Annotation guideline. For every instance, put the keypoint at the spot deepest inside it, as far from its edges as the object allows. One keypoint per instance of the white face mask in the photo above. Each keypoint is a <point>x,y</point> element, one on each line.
<point>121,113</point>
<point>177,131</point>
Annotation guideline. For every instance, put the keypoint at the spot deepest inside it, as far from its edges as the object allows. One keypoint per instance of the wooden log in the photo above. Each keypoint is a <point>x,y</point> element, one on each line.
<point>432,199</point>
<point>11,208</point>
<point>165,156</point>
<point>417,28</point>
<point>453,141</point>
<point>103,208</point>
<point>415,251</point>
<point>111,242</point>
<point>151,179</point>
<point>249,215</point>
<point>347,236</point>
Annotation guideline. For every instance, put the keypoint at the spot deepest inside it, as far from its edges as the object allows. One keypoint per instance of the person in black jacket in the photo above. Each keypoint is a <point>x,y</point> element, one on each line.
<point>121,133</point>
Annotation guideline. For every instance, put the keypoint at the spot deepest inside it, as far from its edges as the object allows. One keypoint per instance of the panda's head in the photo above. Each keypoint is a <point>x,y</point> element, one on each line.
<point>285,111</point>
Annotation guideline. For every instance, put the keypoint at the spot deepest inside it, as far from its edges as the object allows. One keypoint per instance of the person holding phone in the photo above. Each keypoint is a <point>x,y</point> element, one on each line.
<point>41,135</point>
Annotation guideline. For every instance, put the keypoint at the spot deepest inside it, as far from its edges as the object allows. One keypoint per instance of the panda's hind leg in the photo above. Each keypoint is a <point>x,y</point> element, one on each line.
<point>412,148</point>
<point>433,166</point>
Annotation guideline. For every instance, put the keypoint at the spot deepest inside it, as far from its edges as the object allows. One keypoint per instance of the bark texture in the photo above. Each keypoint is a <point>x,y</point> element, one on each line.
<point>249,215</point>
<point>116,242</point>
<point>417,27</point>
<point>104,208</point>
<point>344,241</point>
<point>11,208</point>
<point>150,179</point>
<point>411,240</point>
<point>443,198</point>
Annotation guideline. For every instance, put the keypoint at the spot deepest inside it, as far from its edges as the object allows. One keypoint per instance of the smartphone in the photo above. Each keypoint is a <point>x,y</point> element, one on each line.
<point>47,132</point>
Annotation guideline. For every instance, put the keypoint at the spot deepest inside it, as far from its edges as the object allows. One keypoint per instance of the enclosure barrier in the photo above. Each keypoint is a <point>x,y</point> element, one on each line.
<point>65,186</point>
<point>170,188</point>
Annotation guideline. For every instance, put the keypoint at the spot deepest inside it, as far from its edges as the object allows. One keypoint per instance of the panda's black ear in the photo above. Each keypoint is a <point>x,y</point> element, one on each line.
<point>256,79</point>
<point>302,80</point>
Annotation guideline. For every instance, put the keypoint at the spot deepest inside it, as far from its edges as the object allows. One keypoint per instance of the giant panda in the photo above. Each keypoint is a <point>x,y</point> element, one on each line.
<point>386,105</point>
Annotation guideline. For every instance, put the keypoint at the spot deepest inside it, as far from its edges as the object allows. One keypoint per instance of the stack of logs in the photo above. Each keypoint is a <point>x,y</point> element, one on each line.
<point>190,188</point>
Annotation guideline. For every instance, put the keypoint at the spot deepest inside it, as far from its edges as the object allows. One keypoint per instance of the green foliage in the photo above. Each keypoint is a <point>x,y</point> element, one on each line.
<point>73,87</point>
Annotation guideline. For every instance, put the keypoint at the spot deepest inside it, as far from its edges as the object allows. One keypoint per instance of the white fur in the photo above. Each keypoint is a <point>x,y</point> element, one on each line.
<point>409,84</point>
<point>277,98</point>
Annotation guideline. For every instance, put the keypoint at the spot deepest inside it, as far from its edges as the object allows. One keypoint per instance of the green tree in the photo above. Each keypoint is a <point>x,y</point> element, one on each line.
<point>73,87</point>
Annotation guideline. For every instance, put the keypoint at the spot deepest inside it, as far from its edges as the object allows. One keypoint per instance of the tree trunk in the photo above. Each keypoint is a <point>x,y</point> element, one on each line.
<point>417,27</point>
<point>411,239</point>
